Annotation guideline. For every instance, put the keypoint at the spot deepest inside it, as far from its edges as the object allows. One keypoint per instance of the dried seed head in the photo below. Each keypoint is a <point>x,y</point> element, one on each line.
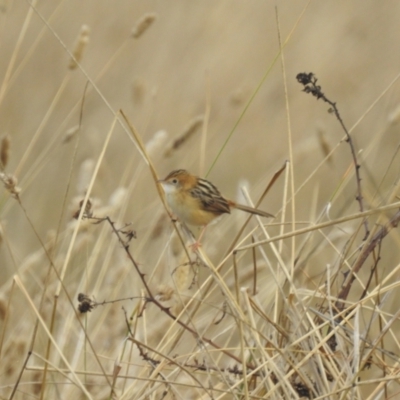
<point>181,275</point>
<point>3,309</point>
<point>142,25</point>
<point>4,151</point>
<point>51,237</point>
<point>70,134</point>
<point>86,304</point>
<point>85,175</point>
<point>87,213</point>
<point>118,197</point>
<point>10,183</point>
<point>154,145</point>
<point>117,369</point>
<point>164,292</point>
<point>37,387</point>
<point>139,89</point>
<point>80,46</point>
<point>4,6</point>
<point>159,227</point>
<point>237,97</point>
<point>191,128</point>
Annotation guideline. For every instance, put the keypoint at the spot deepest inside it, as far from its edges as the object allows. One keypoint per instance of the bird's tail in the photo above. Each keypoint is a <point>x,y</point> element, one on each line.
<point>252,210</point>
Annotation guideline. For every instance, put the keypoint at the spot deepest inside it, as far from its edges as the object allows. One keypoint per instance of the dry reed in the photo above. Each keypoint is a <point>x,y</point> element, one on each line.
<point>114,304</point>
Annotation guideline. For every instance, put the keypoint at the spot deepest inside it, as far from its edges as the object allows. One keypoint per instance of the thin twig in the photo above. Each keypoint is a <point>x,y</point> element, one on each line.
<point>309,81</point>
<point>366,251</point>
<point>151,298</point>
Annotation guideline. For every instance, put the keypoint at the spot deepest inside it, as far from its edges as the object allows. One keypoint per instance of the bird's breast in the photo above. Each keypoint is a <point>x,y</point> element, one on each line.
<point>189,209</point>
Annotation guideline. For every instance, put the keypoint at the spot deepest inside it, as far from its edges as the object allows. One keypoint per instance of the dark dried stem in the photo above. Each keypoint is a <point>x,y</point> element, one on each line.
<point>373,271</point>
<point>152,299</point>
<point>309,81</point>
<point>365,252</point>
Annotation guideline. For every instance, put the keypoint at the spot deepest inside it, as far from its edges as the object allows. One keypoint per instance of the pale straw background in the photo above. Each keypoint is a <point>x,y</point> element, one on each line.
<point>197,58</point>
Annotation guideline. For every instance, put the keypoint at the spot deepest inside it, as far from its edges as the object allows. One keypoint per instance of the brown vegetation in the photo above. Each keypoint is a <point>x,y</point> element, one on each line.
<point>100,294</point>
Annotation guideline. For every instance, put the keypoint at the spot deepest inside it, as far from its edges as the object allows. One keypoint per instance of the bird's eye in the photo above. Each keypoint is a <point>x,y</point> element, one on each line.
<point>174,181</point>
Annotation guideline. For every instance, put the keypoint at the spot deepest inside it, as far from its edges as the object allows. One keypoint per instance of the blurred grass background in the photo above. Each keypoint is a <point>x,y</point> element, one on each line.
<point>196,56</point>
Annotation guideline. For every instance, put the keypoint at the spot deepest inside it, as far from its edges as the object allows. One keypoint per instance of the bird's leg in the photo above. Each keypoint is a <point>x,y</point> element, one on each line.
<point>195,246</point>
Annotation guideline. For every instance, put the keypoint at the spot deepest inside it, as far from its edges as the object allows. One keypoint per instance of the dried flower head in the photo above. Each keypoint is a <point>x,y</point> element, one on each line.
<point>237,97</point>
<point>5,151</point>
<point>157,142</point>
<point>118,197</point>
<point>142,25</point>
<point>181,275</point>
<point>3,309</point>
<point>164,293</point>
<point>159,226</point>
<point>139,90</point>
<point>191,128</point>
<point>70,134</point>
<point>86,304</point>
<point>80,46</point>
<point>10,183</point>
<point>4,6</point>
<point>309,81</point>
<point>85,175</point>
<point>87,213</point>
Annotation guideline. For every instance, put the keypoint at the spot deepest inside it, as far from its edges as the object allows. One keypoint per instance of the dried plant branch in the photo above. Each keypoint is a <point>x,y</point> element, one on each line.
<point>195,365</point>
<point>151,298</point>
<point>373,271</point>
<point>309,81</point>
<point>322,225</point>
<point>365,252</point>
<point>170,360</point>
<point>23,368</point>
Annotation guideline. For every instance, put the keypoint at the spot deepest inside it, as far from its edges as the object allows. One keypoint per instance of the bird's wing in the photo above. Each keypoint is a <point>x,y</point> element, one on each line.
<point>210,197</point>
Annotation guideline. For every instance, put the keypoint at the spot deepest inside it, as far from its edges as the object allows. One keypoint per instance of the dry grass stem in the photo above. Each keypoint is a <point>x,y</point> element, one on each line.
<point>79,48</point>
<point>101,295</point>
<point>143,25</point>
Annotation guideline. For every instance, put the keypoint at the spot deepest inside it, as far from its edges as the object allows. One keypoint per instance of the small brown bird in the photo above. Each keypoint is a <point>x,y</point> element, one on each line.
<point>196,201</point>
